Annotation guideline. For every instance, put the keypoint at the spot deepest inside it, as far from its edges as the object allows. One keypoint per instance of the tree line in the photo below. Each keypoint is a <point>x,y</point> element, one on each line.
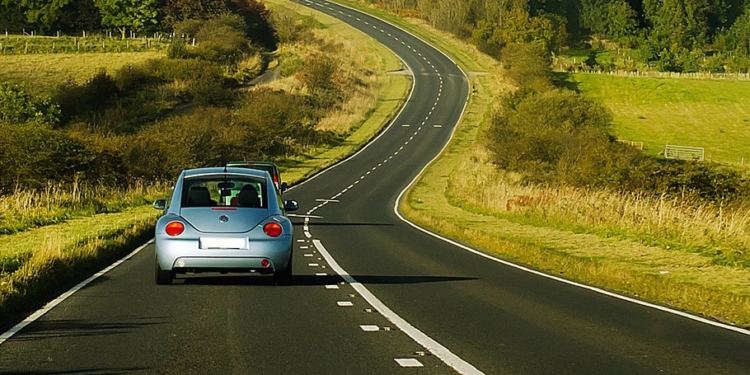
<point>69,16</point>
<point>668,35</point>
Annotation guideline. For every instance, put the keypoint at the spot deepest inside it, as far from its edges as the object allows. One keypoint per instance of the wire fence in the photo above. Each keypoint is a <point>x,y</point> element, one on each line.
<point>29,43</point>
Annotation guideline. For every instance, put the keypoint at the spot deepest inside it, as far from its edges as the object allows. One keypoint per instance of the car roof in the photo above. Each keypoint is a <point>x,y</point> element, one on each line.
<point>220,170</point>
<point>251,163</point>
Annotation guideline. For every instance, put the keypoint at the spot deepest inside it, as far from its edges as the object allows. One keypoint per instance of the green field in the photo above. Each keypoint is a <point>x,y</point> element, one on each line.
<point>40,73</point>
<point>714,114</point>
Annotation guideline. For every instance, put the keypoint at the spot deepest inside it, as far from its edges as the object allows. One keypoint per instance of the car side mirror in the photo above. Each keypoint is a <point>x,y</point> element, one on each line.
<point>284,187</point>
<point>160,204</point>
<point>290,206</point>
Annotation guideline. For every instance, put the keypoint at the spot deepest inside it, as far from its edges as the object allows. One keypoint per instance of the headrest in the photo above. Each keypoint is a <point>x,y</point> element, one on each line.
<point>199,196</point>
<point>248,197</point>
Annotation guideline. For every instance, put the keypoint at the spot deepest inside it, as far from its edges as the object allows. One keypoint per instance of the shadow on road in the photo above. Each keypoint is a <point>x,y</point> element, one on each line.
<point>126,370</point>
<point>323,224</point>
<point>312,280</point>
<point>47,329</point>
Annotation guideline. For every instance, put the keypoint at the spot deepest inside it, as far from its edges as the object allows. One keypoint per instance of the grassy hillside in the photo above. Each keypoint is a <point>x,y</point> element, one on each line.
<point>714,114</point>
<point>40,73</point>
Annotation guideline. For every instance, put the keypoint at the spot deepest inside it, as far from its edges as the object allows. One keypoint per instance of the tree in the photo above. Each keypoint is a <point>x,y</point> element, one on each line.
<point>622,20</point>
<point>176,11</point>
<point>11,15</point>
<point>43,13</point>
<point>124,14</point>
<point>19,107</point>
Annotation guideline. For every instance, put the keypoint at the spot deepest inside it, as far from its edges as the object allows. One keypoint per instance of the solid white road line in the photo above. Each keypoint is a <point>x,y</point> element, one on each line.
<point>50,305</point>
<point>433,346</point>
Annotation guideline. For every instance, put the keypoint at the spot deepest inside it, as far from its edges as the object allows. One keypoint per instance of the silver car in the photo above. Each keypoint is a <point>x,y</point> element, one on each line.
<point>224,220</point>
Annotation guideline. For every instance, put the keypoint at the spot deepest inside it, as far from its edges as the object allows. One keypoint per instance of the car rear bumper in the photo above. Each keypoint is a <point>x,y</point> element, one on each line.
<point>186,255</point>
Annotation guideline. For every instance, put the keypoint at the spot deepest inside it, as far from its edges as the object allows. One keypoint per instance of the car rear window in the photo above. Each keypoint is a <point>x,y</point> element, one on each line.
<point>224,191</point>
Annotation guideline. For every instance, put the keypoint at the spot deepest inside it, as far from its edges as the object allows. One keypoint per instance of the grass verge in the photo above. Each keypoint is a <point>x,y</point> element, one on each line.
<point>40,263</point>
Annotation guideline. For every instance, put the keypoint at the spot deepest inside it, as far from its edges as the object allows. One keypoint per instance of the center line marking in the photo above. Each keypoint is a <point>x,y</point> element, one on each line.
<point>408,362</point>
<point>427,342</point>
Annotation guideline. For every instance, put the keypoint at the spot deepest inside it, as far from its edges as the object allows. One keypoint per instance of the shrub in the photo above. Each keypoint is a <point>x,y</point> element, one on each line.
<point>529,65</point>
<point>177,49</point>
<point>19,107</point>
<point>32,156</point>
<point>92,96</point>
<point>278,123</point>
<point>561,138</point>
<point>221,39</point>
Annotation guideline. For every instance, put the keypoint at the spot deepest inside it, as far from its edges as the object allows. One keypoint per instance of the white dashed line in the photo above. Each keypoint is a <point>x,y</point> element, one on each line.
<point>408,362</point>
<point>308,255</point>
<point>345,303</point>
<point>321,274</point>
<point>369,328</point>
<point>427,342</point>
<point>313,264</point>
<point>332,287</point>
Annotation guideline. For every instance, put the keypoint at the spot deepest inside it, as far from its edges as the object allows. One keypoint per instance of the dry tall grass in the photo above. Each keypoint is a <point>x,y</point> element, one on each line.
<point>24,209</point>
<point>357,74</point>
<point>715,231</point>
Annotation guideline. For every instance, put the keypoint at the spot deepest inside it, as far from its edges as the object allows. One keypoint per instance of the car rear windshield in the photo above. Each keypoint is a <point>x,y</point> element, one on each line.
<point>224,190</point>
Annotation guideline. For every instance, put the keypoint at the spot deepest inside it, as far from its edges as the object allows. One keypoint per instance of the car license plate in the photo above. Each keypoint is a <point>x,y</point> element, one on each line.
<point>223,243</point>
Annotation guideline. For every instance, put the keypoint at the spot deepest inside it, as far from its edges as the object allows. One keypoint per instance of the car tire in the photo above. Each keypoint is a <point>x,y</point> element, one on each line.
<point>284,277</point>
<point>163,277</point>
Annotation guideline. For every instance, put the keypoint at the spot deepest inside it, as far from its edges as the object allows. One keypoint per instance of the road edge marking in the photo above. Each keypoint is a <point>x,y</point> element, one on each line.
<point>445,355</point>
<point>683,314</point>
<point>50,305</point>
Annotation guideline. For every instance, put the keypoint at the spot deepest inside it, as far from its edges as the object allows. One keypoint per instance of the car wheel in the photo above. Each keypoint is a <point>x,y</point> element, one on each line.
<point>163,277</point>
<point>284,277</point>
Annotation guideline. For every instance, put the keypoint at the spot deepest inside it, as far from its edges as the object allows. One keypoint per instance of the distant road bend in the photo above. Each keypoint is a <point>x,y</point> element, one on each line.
<point>373,294</point>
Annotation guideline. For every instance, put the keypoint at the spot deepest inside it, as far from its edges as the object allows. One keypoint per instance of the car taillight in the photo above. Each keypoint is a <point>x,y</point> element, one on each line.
<point>272,229</point>
<point>275,179</point>
<point>175,228</point>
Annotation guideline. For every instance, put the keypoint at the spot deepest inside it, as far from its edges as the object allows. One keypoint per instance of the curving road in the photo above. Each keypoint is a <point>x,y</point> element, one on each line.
<point>373,295</point>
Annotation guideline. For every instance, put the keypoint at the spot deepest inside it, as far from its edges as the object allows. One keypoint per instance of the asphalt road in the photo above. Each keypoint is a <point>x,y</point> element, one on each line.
<point>406,298</point>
